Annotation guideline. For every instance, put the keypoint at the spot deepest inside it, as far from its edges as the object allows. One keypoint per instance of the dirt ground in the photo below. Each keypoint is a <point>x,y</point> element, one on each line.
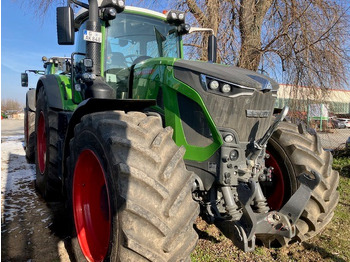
<point>31,230</point>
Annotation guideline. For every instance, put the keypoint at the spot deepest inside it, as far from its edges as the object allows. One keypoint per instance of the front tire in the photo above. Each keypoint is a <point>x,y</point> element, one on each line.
<point>46,149</point>
<point>294,151</point>
<point>129,190</point>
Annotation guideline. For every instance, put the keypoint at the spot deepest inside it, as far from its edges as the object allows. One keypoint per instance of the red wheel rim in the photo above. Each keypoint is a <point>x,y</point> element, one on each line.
<point>41,142</point>
<point>275,199</point>
<point>91,206</point>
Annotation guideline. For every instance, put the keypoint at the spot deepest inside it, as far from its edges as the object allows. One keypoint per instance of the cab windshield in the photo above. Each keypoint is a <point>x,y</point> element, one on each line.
<point>132,38</point>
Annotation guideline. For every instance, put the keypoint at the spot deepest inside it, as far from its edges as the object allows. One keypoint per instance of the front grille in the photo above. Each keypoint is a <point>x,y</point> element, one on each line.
<point>232,113</point>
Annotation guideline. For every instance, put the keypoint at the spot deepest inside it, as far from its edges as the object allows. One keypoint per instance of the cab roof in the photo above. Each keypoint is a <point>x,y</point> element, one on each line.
<point>82,14</point>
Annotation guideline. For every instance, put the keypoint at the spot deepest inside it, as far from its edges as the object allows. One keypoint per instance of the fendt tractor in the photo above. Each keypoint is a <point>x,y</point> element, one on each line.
<point>54,65</point>
<point>138,141</point>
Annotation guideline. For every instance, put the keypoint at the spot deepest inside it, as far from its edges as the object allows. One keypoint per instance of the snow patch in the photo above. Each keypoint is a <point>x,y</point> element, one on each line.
<point>17,178</point>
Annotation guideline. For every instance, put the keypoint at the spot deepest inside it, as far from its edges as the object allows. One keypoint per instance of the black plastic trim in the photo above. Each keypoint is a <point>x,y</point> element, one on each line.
<point>31,99</point>
<point>52,90</point>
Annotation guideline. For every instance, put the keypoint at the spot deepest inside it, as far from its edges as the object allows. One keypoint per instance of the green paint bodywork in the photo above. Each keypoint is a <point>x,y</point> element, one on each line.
<point>156,74</point>
<point>64,83</point>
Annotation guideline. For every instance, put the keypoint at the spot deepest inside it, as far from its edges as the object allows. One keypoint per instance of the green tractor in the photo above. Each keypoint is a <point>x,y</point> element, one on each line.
<point>138,141</point>
<point>53,65</point>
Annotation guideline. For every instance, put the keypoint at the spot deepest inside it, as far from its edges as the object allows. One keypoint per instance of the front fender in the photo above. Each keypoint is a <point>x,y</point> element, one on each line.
<point>94,105</point>
<point>30,99</point>
<point>52,90</point>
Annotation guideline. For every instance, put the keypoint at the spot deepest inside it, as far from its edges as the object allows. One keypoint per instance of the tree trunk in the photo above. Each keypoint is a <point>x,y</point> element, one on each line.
<point>251,15</point>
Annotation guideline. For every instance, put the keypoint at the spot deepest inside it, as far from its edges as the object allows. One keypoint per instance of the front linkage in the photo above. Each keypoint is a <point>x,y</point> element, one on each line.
<point>243,224</point>
<point>274,223</point>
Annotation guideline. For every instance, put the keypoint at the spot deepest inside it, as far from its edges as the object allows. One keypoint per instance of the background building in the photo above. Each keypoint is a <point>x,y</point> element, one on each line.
<point>337,101</point>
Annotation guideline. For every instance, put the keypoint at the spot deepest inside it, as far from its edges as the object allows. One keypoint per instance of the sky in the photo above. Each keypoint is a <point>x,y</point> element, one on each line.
<point>25,39</point>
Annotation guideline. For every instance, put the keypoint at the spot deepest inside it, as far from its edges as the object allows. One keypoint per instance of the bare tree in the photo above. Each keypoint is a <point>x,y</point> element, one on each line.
<point>10,105</point>
<point>40,7</point>
<point>299,42</point>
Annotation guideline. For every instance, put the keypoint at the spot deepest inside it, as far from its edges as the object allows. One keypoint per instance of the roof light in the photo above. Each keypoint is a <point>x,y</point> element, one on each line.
<point>175,17</point>
<point>119,5</point>
<point>109,13</point>
<point>184,29</point>
<point>182,16</point>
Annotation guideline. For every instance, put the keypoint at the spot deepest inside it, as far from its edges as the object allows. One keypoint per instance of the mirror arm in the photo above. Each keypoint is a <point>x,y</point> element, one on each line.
<point>38,72</point>
<point>84,5</point>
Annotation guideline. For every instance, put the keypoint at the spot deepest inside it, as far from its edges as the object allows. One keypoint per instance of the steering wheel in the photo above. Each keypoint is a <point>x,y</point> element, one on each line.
<point>129,59</point>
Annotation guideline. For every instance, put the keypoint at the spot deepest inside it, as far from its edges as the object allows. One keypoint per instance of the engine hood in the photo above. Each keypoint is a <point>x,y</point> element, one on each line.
<point>235,75</point>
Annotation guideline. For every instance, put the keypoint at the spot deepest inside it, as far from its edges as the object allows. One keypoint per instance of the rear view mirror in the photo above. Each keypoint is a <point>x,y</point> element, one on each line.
<point>24,79</point>
<point>65,25</point>
<point>212,48</point>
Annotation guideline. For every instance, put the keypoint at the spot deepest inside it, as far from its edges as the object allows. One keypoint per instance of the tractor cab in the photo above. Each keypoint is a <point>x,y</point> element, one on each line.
<point>52,65</point>
<point>127,36</point>
<point>131,39</point>
<point>56,65</point>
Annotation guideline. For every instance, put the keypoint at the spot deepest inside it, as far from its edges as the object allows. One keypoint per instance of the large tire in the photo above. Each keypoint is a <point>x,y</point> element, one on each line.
<point>129,190</point>
<point>294,151</point>
<point>29,133</point>
<point>46,150</point>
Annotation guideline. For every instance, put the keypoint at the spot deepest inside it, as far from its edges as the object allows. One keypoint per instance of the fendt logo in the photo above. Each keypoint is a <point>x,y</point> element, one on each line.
<point>258,113</point>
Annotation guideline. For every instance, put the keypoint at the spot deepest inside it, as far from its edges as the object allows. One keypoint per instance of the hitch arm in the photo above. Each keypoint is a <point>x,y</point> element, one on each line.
<point>296,204</point>
<point>261,143</point>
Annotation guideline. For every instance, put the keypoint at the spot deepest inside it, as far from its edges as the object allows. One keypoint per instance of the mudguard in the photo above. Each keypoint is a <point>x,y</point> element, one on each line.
<point>94,105</point>
<point>52,90</point>
<point>31,99</point>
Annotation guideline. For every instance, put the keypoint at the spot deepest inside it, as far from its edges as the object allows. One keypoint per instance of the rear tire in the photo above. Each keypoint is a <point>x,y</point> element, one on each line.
<point>295,151</point>
<point>46,150</point>
<point>129,189</point>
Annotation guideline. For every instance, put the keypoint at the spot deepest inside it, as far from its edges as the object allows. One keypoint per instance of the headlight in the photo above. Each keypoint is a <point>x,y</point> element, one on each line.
<point>225,88</point>
<point>213,85</point>
<point>175,17</point>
